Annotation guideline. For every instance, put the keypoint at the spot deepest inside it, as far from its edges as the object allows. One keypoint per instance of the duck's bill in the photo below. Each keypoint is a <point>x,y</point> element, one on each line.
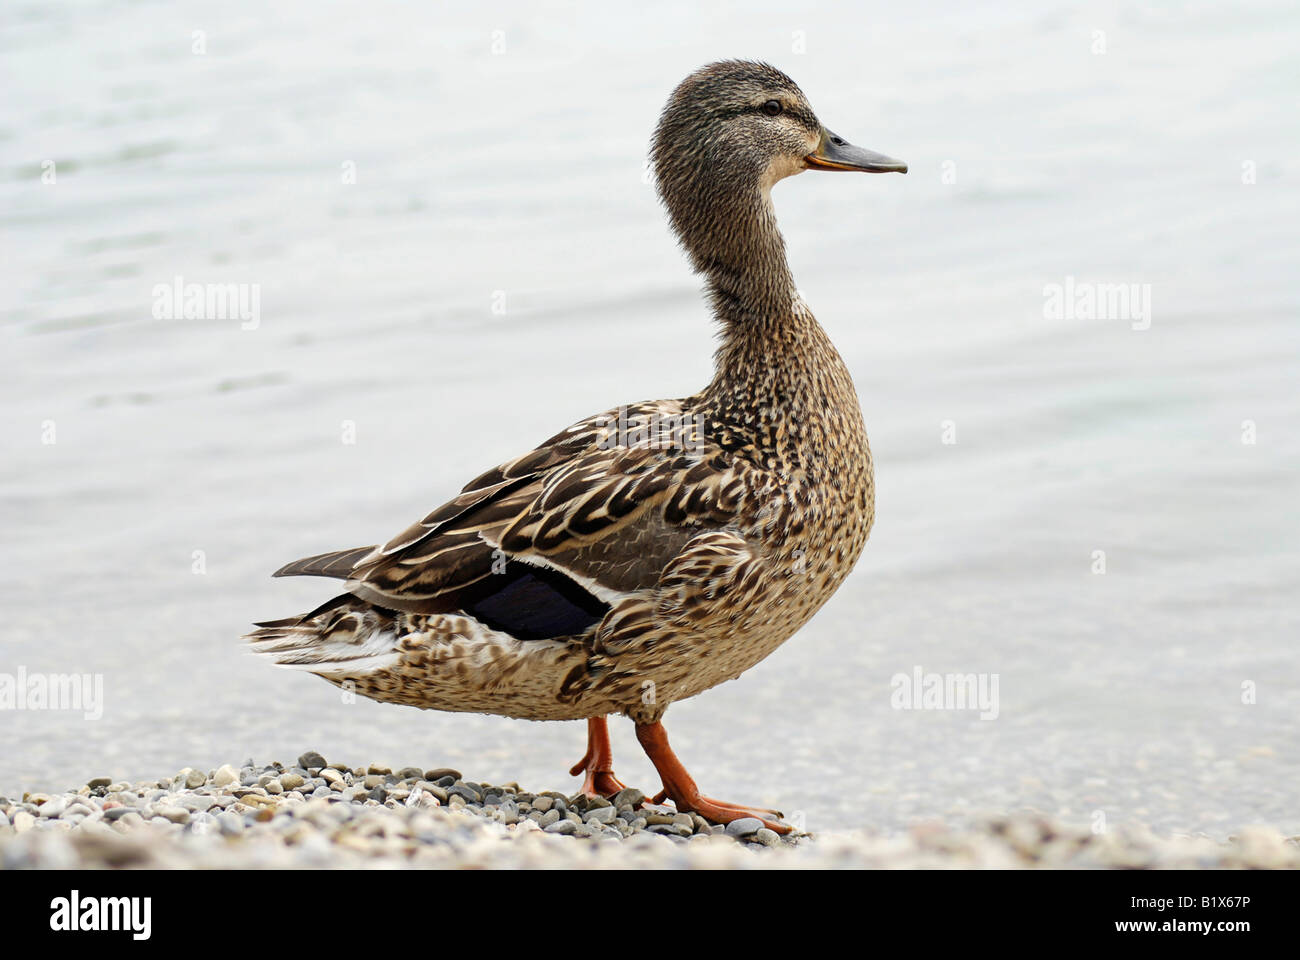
<point>835,153</point>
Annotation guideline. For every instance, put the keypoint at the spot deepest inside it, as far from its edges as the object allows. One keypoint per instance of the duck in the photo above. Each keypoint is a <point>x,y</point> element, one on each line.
<point>657,549</point>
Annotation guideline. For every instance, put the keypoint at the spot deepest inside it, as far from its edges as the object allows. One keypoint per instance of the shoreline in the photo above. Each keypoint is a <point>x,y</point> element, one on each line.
<point>314,814</point>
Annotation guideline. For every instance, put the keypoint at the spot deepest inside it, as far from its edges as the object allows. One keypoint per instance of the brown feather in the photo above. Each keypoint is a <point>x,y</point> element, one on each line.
<point>337,564</point>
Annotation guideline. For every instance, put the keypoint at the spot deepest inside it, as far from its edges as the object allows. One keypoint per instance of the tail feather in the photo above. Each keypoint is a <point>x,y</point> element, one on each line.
<point>325,607</point>
<point>345,637</point>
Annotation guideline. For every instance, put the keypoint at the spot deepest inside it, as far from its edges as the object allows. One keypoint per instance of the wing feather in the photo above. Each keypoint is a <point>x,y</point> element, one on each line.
<point>337,564</point>
<point>605,519</point>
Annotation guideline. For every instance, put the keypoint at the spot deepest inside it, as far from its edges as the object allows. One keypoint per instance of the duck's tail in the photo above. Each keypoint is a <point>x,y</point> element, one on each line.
<point>344,637</point>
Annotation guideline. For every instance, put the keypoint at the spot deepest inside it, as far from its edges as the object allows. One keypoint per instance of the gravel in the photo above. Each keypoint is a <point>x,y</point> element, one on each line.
<point>319,814</point>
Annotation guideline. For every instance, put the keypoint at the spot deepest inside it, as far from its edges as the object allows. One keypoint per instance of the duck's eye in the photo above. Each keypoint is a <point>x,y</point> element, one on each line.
<point>771,108</point>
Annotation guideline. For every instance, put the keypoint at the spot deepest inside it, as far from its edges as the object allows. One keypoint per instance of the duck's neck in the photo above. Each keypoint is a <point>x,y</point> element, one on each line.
<point>749,280</point>
<point>774,356</point>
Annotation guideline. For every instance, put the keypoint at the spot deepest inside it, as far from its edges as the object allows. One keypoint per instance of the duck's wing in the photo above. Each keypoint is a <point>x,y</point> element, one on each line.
<point>543,545</point>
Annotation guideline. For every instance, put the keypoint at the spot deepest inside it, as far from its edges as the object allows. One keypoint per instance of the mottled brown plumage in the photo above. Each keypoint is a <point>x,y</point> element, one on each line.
<point>646,554</point>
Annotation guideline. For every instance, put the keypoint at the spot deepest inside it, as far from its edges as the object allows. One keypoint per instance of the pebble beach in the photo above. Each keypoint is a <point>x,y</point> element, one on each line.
<point>319,814</point>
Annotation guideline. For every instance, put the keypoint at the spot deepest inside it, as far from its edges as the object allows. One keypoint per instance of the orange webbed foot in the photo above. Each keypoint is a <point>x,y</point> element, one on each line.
<point>680,788</point>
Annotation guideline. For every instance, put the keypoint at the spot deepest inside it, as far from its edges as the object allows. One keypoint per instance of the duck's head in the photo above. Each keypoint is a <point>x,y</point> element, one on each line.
<point>729,132</point>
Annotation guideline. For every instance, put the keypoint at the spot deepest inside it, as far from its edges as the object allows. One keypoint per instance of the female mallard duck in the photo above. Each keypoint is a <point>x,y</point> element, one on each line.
<point>649,553</point>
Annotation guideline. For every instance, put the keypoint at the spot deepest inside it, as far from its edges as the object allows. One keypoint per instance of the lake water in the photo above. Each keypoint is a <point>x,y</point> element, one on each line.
<point>457,254</point>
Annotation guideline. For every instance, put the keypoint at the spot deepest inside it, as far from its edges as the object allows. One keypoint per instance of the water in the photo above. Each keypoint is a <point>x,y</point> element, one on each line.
<point>514,180</point>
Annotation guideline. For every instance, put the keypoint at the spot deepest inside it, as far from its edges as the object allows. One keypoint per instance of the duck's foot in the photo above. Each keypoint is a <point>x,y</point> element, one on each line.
<point>598,762</point>
<point>760,813</point>
<point>680,788</point>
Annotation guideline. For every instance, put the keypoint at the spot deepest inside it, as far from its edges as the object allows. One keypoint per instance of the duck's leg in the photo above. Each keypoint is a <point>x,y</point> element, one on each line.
<point>680,788</point>
<point>597,762</point>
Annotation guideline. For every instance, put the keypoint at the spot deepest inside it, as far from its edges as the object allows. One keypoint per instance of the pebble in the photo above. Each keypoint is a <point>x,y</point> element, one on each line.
<point>744,827</point>
<point>174,814</point>
<point>230,823</point>
<point>465,792</point>
<point>628,796</point>
<point>225,774</point>
<point>436,790</point>
<point>53,807</point>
